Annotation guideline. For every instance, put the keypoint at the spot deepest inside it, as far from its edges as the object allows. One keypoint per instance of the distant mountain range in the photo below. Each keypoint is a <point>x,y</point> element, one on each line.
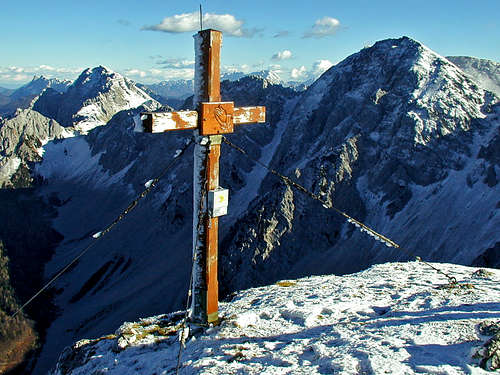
<point>271,77</point>
<point>396,135</point>
<point>10,100</point>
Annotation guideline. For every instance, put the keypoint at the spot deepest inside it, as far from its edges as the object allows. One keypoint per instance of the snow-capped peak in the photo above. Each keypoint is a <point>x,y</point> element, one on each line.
<point>271,76</point>
<point>93,98</point>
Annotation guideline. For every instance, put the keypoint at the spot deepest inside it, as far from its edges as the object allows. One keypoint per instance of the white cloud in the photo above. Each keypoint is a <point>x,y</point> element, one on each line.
<point>156,72</point>
<point>156,75</point>
<point>15,69</point>
<point>282,55</point>
<point>17,74</point>
<point>176,63</point>
<point>245,68</point>
<point>303,74</point>
<point>135,73</point>
<point>46,67</point>
<point>14,77</point>
<point>189,22</point>
<point>323,27</point>
<point>299,73</point>
<point>321,66</point>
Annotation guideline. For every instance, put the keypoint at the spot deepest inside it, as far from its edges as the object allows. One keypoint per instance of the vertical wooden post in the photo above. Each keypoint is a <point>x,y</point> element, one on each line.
<point>211,118</point>
<point>212,233</point>
<point>204,305</point>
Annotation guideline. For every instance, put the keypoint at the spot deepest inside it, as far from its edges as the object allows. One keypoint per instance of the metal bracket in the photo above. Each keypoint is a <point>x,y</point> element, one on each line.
<point>215,139</point>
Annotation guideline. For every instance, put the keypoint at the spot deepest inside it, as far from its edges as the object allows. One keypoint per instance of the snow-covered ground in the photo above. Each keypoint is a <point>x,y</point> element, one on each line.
<point>394,318</point>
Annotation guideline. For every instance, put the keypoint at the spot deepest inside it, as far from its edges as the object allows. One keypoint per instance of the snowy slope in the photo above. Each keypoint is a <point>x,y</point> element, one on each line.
<point>91,101</point>
<point>22,139</point>
<point>394,318</point>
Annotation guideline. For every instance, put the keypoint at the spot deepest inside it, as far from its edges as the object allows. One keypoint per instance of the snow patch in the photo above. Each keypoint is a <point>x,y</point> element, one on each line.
<point>8,166</point>
<point>72,159</point>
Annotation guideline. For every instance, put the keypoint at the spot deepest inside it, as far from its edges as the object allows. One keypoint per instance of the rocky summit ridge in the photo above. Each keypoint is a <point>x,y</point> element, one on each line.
<point>394,318</point>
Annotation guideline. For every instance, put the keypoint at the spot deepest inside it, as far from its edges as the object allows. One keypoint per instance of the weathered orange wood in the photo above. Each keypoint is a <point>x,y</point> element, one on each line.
<point>159,122</point>
<point>212,235</point>
<point>211,45</point>
<point>217,118</point>
<point>248,115</point>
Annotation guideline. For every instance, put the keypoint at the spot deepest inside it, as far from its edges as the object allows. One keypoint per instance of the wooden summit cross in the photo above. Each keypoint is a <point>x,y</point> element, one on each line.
<point>211,119</point>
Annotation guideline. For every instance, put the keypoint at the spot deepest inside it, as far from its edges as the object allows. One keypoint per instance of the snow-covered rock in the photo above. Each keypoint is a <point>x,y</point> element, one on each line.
<point>394,318</point>
<point>271,77</point>
<point>268,77</point>
<point>22,139</point>
<point>92,100</point>
<point>97,176</point>
<point>485,72</point>
<point>95,96</point>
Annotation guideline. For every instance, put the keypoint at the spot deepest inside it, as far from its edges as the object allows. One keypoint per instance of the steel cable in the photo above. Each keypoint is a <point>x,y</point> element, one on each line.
<point>97,236</point>
<point>363,227</point>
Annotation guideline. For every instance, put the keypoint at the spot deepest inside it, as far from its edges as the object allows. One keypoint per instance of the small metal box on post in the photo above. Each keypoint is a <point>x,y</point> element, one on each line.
<point>211,119</point>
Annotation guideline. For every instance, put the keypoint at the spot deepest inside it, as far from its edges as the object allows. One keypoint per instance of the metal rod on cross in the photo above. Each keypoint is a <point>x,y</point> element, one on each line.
<point>210,119</point>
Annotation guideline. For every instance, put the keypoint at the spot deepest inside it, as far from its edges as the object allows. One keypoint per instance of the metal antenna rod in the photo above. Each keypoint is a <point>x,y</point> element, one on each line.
<point>201,19</point>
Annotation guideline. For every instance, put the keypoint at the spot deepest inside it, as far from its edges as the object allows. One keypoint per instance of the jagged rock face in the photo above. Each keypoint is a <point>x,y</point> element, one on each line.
<point>95,96</point>
<point>387,135</point>
<point>269,77</point>
<point>91,101</point>
<point>485,72</point>
<point>22,138</point>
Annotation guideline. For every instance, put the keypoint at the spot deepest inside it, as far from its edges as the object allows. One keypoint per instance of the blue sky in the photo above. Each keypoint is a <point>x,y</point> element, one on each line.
<point>141,40</point>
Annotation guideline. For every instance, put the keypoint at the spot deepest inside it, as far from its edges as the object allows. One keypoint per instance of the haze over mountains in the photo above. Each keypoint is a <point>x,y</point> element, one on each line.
<point>396,135</point>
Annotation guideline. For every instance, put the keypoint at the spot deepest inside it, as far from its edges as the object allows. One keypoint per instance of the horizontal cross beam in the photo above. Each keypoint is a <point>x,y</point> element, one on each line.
<point>159,122</point>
